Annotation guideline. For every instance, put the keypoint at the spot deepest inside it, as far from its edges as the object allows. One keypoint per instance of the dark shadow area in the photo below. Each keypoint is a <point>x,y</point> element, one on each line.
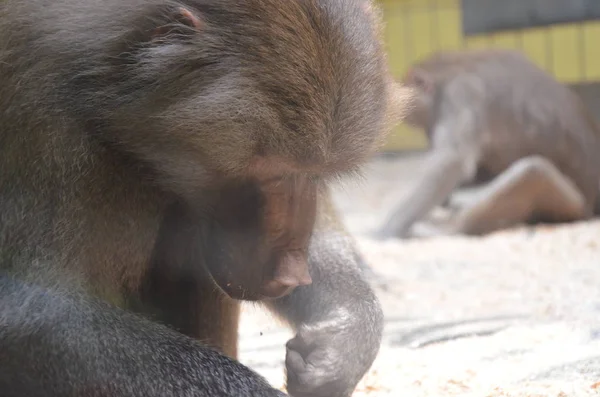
<point>446,331</point>
<point>487,16</point>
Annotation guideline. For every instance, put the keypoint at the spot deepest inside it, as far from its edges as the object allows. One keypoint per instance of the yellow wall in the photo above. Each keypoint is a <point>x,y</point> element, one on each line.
<point>415,28</point>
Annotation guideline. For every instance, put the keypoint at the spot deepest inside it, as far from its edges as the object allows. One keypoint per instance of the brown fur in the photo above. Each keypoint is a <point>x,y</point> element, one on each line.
<point>167,156</point>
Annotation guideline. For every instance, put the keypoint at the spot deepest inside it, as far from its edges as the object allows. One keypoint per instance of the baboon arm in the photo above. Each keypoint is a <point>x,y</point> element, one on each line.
<point>56,345</point>
<point>330,315</point>
<point>444,170</point>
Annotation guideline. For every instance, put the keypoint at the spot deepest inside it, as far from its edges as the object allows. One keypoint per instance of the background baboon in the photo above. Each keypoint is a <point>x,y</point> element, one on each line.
<point>493,116</point>
<point>159,158</point>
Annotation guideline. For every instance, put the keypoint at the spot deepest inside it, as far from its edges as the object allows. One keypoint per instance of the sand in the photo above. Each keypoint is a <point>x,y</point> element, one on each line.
<point>521,306</point>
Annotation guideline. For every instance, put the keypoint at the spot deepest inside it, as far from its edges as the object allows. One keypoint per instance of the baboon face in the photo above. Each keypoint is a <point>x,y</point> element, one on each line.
<point>257,243</point>
<point>256,101</point>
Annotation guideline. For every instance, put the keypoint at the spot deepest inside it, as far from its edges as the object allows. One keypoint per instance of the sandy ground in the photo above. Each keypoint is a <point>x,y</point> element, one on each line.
<point>516,313</point>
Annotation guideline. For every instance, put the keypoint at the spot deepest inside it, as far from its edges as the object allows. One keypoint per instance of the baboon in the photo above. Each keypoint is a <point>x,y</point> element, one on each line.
<point>163,160</point>
<point>493,117</point>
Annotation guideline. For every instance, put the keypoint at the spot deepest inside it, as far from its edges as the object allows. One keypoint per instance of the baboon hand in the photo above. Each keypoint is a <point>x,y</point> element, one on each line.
<point>323,360</point>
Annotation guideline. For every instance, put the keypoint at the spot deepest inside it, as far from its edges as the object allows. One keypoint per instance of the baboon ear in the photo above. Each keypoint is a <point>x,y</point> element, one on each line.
<point>179,21</point>
<point>418,79</point>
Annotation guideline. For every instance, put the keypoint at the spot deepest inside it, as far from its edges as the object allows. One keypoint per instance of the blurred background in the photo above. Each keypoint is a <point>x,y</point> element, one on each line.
<point>561,36</point>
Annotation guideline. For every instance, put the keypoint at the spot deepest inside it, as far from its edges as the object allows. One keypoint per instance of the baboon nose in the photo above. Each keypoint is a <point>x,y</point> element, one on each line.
<point>278,288</point>
<point>273,289</point>
<point>291,272</point>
